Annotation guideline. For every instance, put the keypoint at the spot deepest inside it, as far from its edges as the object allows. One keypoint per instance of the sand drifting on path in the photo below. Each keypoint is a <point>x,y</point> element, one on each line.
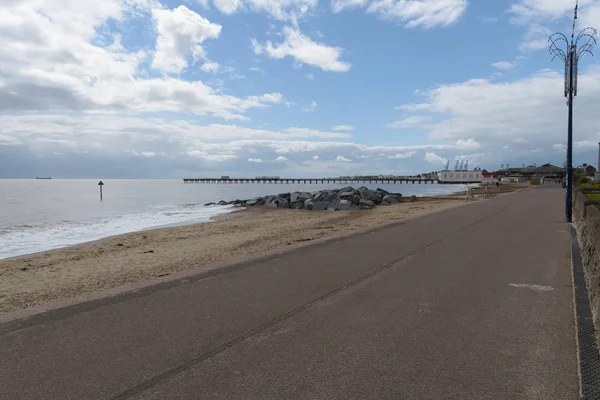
<point>33,280</point>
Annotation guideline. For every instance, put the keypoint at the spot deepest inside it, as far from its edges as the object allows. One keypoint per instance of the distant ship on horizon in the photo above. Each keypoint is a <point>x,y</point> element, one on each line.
<point>38,177</point>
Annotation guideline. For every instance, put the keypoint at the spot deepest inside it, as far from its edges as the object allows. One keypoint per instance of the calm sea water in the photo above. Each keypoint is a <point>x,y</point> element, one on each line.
<point>39,215</point>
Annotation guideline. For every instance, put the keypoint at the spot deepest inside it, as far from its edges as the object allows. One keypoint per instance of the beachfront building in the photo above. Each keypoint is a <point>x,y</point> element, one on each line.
<point>487,177</point>
<point>460,176</point>
<point>525,174</point>
<point>586,170</point>
<point>598,170</point>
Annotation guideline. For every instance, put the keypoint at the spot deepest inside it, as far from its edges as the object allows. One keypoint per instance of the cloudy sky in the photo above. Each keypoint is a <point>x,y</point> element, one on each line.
<point>179,88</point>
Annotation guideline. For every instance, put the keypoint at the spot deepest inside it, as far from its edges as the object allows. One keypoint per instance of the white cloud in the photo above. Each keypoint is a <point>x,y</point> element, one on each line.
<point>586,145</point>
<point>433,158</point>
<point>310,107</point>
<point>339,5</point>
<point>590,15</point>
<point>535,14</point>
<point>313,133</point>
<point>272,98</point>
<point>524,11</point>
<point>255,160</point>
<point>227,6</point>
<point>281,158</point>
<point>51,61</point>
<point>203,3</point>
<point>210,157</point>
<point>100,128</point>
<point>310,76</point>
<point>342,128</point>
<point>185,145</point>
<point>180,32</point>
<point>467,144</point>
<point>505,65</point>
<point>278,9</point>
<point>210,66</point>
<point>403,156</point>
<point>536,38</point>
<point>509,120</point>
<point>304,51</point>
<point>415,13</point>
<point>407,122</point>
<point>420,13</point>
<point>414,107</point>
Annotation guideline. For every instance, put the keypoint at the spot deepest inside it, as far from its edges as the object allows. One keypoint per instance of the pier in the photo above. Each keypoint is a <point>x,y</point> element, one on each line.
<point>311,180</point>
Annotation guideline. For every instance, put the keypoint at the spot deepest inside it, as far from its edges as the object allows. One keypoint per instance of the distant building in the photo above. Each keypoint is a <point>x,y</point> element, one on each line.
<point>460,176</point>
<point>487,177</point>
<point>598,172</point>
<point>586,170</point>
<point>547,171</point>
<point>590,171</point>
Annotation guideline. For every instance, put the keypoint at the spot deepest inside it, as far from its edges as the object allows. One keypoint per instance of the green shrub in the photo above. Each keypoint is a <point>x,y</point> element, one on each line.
<point>590,185</point>
<point>579,179</point>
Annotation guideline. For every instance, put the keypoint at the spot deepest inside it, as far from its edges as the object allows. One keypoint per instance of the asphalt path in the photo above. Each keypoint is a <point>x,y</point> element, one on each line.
<point>474,302</point>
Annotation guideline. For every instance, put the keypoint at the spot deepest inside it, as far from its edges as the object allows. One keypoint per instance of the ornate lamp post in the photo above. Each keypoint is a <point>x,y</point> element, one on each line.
<point>572,53</point>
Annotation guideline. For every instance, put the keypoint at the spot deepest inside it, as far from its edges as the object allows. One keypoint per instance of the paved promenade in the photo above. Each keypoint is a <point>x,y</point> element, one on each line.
<point>470,303</point>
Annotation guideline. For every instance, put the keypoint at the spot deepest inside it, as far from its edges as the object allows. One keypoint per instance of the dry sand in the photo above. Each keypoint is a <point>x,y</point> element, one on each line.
<point>35,279</point>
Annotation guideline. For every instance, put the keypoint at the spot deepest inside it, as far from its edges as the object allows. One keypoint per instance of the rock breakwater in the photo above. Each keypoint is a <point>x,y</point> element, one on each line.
<point>347,198</point>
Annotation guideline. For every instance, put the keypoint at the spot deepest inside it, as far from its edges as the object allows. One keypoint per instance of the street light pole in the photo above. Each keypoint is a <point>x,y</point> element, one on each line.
<point>569,201</point>
<point>572,55</point>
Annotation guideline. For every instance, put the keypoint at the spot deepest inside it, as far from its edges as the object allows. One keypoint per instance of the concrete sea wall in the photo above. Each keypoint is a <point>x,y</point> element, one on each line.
<point>586,215</point>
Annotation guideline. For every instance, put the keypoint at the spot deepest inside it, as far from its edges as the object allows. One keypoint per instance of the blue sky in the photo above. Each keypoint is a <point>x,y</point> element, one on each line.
<point>148,88</point>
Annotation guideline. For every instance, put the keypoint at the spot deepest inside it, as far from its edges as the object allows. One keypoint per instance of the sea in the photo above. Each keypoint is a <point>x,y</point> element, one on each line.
<point>43,214</point>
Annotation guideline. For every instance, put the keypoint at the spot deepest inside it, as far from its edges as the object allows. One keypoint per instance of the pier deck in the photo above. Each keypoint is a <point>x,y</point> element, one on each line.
<point>312,180</point>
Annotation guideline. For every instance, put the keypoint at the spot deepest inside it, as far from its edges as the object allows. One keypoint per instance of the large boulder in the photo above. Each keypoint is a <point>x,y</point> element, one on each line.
<point>209,204</point>
<point>222,203</point>
<point>372,195</point>
<point>298,205</point>
<point>308,204</point>
<point>347,194</point>
<point>382,192</point>
<point>365,204</point>
<point>325,195</point>
<point>340,204</point>
<point>389,199</point>
<point>299,196</point>
<point>285,196</point>
<point>277,202</point>
<point>254,201</point>
<point>319,205</point>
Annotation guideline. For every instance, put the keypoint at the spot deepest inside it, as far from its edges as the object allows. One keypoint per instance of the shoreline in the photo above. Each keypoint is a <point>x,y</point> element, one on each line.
<point>109,263</point>
<point>151,228</point>
<point>235,209</point>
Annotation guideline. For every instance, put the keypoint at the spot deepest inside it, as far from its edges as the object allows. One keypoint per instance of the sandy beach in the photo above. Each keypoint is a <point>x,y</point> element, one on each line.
<point>33,280</point>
